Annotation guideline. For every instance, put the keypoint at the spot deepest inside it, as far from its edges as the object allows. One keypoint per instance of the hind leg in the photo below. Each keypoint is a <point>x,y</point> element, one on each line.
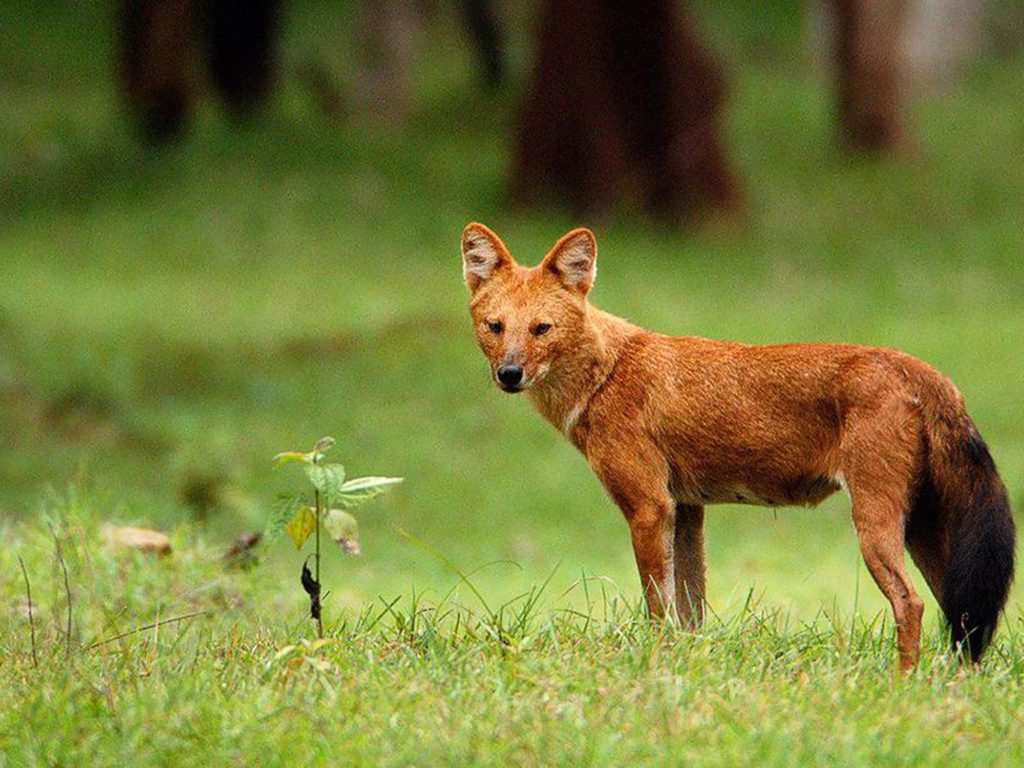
<point>930,558</point>
<point>880,532</point>
<point>926,540</point>
<point>881,455</point>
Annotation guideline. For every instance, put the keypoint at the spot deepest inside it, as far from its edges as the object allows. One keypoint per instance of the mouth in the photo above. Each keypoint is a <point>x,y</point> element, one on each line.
<point>512,390</point>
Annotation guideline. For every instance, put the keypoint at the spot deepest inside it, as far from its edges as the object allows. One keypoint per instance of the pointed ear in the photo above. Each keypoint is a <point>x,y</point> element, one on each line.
<point>573,260</point>
<point>483,254</point>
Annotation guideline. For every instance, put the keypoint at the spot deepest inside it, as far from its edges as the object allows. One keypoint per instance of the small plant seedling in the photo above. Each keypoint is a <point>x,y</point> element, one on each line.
<point>333,497</point>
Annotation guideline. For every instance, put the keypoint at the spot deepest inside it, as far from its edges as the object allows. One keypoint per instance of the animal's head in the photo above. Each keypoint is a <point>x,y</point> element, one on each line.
<point>526,318</point>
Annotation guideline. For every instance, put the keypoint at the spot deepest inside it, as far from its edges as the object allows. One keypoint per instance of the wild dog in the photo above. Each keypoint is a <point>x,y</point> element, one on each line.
<point>672,424</point>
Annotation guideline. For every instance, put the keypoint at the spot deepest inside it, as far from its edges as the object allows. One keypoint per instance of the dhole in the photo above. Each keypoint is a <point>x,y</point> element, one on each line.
<point>672,424</point>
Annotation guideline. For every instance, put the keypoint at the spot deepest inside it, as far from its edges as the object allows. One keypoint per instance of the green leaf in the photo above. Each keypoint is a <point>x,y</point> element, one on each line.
<point>326,478</point>
<point>359,490</point>
<point>282,512</point>
<point>289,456</point>
<point>301,526</point>
<point>323,445</point>
<point>344,529</point>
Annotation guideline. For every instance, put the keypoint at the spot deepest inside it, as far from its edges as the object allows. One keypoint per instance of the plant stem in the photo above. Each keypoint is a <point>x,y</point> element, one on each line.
<point>316,497</point>
<point>67,590</point>
<point>31,619</point>
<point>154,625</point>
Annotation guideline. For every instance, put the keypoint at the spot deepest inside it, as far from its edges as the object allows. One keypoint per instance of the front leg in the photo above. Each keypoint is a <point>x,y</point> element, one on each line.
<point>652,529</point>
<point>639,485</point>
<point>689,563</point>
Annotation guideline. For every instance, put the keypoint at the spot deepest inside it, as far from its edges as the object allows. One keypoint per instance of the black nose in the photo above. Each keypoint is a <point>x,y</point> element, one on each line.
<point>510,375</point>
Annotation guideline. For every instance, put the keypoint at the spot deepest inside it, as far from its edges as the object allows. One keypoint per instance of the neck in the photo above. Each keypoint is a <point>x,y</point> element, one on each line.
<point>564,395</point>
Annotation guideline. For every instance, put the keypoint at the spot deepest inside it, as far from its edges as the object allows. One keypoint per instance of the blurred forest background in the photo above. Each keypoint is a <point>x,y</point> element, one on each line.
<point>228,228</point>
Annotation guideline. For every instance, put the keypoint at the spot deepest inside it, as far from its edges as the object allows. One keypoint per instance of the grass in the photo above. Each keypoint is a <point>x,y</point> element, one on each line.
<point>453,681</point>
<point>169,321</point>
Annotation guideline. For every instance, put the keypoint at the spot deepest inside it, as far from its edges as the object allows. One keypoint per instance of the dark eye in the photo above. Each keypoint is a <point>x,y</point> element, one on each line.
<point>495,326</point>
<point>541,328</point>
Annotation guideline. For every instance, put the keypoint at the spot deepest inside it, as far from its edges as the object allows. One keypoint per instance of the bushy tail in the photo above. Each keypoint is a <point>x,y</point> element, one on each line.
<point>975,513</point>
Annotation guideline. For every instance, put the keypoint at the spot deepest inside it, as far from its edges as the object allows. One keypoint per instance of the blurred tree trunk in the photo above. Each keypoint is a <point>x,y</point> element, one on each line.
<point>481,20</point>
<point>156,64</point>
<point>869,68</point>
<point>623,105</point>
<point>242,39</point>
<point>158,53</point>
<point>389,32</point>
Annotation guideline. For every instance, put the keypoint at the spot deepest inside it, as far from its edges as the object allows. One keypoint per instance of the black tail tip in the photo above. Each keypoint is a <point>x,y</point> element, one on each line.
<point>969,640</point>
<point>977,581</point>
<point>981,535</point>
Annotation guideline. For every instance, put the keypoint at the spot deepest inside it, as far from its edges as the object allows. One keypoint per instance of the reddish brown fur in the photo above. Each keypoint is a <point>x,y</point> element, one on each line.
<point>670,424</point>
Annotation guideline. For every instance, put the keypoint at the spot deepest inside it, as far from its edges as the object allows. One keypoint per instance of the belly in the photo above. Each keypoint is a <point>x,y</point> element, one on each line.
<point>801,491</point>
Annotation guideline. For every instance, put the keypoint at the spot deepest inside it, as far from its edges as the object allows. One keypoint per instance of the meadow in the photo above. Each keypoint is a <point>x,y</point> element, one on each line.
<point>169,320</point>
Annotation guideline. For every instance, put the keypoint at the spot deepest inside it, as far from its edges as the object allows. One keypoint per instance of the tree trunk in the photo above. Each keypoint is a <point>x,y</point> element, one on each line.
<point>156,64</point>
<point>870,70</point>
<point>390,34</point>
<point>242,39</point>
<point>158,57</point>
<point>485,33</point>
<point>620,106</point>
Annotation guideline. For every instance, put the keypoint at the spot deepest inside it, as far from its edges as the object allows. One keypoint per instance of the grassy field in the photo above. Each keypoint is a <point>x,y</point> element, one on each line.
<point>171,320</point>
